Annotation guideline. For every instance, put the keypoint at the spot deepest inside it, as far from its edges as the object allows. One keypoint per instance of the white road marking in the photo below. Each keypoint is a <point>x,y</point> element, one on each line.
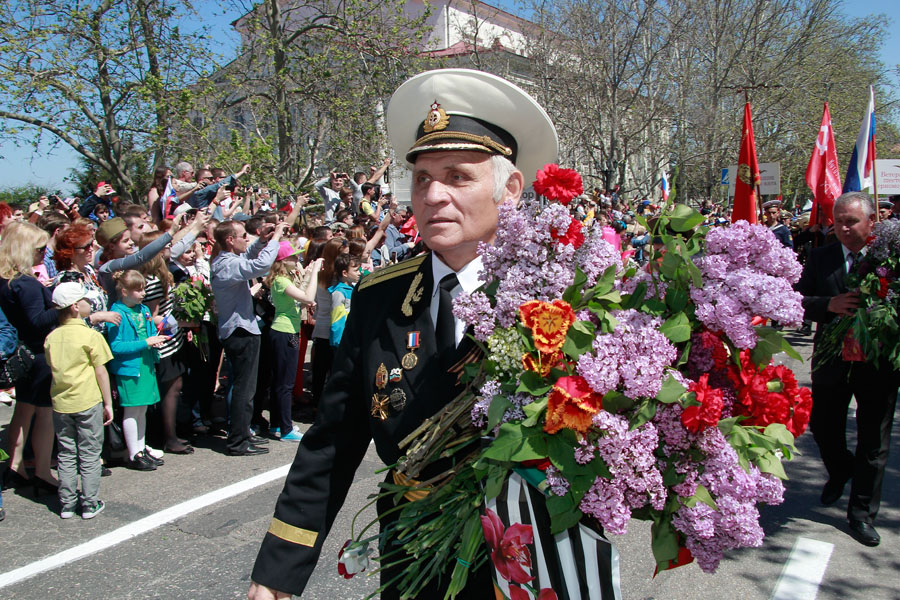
<point>140,526</point>
<point>804,570</point>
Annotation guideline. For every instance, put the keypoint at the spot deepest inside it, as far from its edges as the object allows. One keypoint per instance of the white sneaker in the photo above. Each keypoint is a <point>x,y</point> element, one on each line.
<point>67,512</point>
<point>157,454</point>
<point>90,511</point>
<point>6,399</point>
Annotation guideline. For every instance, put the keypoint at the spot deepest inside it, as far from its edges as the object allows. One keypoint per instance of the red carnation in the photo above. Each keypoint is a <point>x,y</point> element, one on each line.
<point>573,234</point>
<point>708,413</point>
<point>883,290</point>
<point>558,184</point>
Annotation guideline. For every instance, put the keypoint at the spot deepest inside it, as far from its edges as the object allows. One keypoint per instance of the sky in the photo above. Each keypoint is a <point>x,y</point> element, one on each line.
<point>23,165</point>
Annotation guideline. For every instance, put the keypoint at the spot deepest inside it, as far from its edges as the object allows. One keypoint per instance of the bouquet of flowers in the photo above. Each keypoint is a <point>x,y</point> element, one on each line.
<point>614,392</point>
<point>872,332</point>
<point>194,300</point>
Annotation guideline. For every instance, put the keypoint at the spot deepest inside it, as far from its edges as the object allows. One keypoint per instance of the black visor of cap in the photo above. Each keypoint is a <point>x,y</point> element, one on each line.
<point>464,131</point>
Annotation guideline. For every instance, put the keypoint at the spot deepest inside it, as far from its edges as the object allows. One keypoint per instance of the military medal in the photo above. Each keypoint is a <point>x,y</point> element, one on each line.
<point>379,406</point>
<point>398,399</point>
<point>396,375</point>
<point>381,377</point>
<point>410,360</point>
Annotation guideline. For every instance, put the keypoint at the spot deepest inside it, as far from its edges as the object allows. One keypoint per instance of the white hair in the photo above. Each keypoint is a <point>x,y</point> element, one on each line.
<point>862,198</point>
<point>503,170</point>
<point>181,168</point>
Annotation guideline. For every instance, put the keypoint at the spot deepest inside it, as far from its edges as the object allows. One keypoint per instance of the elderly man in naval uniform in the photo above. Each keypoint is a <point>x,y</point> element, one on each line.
<point>472,141</point>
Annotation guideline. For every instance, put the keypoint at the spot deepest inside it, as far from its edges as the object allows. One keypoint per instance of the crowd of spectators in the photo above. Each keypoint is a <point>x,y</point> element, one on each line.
<point>273,280</point>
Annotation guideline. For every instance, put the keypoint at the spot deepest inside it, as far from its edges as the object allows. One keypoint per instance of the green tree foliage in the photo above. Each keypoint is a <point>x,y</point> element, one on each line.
<point>20,196</point>
<point>107,78</point>
<point>306,93</point>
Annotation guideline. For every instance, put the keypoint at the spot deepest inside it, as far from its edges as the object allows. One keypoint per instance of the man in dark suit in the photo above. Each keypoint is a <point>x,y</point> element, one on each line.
<point>825,297</point>
<point>402,349</point>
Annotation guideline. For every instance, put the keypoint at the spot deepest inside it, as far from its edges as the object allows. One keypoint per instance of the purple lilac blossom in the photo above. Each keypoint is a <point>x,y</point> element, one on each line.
<point>634,357</point>
<point>886,242</point>
<point>559,485</point>
<point>487,392</point>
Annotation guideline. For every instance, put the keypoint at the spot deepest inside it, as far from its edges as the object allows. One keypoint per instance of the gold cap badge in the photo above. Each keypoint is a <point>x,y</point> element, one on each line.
<point>436,119</point>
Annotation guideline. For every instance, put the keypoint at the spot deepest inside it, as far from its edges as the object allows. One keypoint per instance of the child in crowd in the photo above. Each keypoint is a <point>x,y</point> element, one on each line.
<point>346,267</point>
<point>82,402</point>
<point>291,291</point>
<point>134,365</point>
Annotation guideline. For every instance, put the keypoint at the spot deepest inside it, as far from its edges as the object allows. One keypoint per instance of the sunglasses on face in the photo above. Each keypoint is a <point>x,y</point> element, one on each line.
<point>86,247</point>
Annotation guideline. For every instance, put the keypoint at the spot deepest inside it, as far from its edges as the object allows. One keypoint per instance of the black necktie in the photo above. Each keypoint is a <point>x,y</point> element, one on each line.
<point>445,328</point>
<point>853,258</point>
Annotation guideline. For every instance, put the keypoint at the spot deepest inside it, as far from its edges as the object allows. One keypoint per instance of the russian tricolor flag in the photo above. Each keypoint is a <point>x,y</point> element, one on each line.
<point>862,161</point>
<point>169,200</point>
<point>664,186</point>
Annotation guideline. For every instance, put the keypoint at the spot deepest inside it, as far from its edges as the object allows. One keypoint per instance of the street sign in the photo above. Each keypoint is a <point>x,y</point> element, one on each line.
<point>725,177</point>
<point>887,176</point>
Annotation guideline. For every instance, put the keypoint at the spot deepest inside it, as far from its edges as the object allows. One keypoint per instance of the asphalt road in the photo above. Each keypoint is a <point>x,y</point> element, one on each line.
<point>209,553</point>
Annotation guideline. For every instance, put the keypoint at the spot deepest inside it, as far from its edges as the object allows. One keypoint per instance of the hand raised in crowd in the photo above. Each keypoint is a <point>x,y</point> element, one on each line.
<point>315,266</point>
<point>279,230</point>
<point>244,170</point>
<point>106,316</point>
<point>155,341</point>
<point>201,220</point>
<point>844,304</point>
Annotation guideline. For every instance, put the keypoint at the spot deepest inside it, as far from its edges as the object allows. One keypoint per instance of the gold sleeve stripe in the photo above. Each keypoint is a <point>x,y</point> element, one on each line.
<point>295,535</point>
<point>403,268</point>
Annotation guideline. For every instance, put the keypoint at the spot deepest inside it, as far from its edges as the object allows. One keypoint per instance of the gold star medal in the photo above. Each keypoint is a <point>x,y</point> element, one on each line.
<point>381,377</point>
<point>410,360</point>
<point>379,406</point>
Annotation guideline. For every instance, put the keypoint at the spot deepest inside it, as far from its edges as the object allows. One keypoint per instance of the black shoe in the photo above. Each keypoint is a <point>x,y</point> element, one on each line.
<point>12,480</point>
<point>2,513</point>
<point>805,330</point>
<point>43,487</point>
<point>105,472</point>
<point>156,461</point>
<point>251,450</point>
<point>864,533</point>
<point>141,462</point>
<point>833,491</point>
<point>258,440</point>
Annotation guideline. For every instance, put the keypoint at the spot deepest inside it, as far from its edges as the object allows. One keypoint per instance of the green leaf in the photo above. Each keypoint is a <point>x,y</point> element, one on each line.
<point>534,412</point>
<point>677,298</point>
<point>670,392</point>
<point>684,218</point>
<point>701,495</point>
<point>769,463</point>
<point>770,342</point>
<point>616,402</point>
<point>532,383</point>
<point>578,339</point>
<point>739,437</point>
<point>515,443</point>
<point>635,299</point>
<point>780,433</point>
<point>572,295</point>
<point>644,414</point>
<point>677,328</point>
<point>663,541</point>
<point>496,410</point>
<point>564,513</point>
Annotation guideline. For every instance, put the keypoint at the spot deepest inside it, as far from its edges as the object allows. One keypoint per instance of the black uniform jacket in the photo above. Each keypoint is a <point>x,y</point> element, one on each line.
<point>386,308</point>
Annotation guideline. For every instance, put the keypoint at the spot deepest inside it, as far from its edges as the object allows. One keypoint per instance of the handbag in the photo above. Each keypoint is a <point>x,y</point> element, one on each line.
<point>114,437</point>
<point>16,367</point>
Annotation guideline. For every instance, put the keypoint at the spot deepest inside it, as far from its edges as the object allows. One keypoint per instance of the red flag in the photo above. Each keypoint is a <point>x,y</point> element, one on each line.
<point>822,174</point>
<point>747,175</point>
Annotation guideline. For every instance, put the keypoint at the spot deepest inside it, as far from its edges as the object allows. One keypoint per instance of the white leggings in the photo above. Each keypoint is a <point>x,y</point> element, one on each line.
<point>134,425</point>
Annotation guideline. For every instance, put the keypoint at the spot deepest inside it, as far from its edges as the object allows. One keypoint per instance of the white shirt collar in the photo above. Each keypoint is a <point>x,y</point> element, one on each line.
<point>468,282</point>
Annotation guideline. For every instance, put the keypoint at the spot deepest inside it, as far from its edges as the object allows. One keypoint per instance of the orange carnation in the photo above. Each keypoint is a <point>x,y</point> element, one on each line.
<point>571,404</point>
<point>549,322</point>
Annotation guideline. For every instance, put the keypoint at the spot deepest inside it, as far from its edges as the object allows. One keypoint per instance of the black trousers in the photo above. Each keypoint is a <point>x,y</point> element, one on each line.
<point>322,357</point>
<point>876,397</point>
<point>242,349</point>
<point>285,353</point>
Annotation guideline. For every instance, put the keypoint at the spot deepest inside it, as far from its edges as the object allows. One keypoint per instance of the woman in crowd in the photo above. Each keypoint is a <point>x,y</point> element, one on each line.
<point>157,189</point>
<point>322,353</point>
<point>74,259</point>
<point>29,308</point>
<point>291,292</point>
<point>160,299</point>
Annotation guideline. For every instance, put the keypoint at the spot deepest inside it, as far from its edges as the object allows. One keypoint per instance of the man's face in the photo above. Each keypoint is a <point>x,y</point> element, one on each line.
<point>138,228</point>
<point>204,176</point>
<point>851,226</point>
<point>187,176</point>
<point>452,198</point>
<point>337,183</point>
<point>884,213</point>
<point>772,214</point>
<point>240,241</point>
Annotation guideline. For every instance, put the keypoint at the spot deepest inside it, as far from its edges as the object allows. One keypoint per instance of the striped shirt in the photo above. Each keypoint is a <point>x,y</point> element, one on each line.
<point>154,289</point>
